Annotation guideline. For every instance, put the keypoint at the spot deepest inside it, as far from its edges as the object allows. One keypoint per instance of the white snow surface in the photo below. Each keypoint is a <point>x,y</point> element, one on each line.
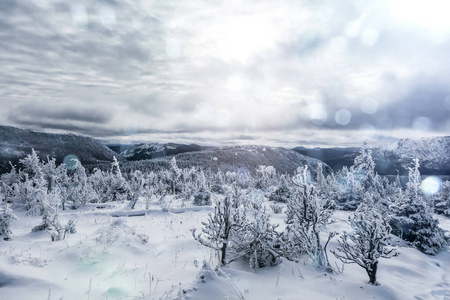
<point>119,253</point>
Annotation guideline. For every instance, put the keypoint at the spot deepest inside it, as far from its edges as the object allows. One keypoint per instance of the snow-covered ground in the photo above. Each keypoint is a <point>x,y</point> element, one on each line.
<point>152,255</point>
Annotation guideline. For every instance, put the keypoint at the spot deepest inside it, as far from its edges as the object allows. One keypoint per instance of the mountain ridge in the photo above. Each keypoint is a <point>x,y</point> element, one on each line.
<point>16,143</point>
<point>395,158</point>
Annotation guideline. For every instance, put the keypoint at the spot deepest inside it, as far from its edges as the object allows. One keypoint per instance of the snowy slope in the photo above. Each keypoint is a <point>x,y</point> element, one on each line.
<point>154,256</point>
<point>248,158</point>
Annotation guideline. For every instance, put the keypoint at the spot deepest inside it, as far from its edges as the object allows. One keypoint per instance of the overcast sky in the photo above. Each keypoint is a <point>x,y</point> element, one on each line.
<point>318,72</point>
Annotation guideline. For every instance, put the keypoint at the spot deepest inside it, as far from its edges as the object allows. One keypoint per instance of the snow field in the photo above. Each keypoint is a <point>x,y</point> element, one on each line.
<point>153,256</point>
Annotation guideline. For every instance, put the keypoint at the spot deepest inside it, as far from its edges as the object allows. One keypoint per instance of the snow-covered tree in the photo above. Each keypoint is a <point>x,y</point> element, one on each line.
<point>174,175</point>
<point>348,190</point>
<point>258,241</point>
<point>136,184</point>
<point>368,242</point>
<point>6,218</point>
<point>218,230</point>
<point>364,166</point>
<point>353,183</point>
<point>442,203</point>
<point>33,167</point>
<point>254,199</point>
<point>283,192</point>
<point>413,219</point>
<point>118,187</point>
<point>51,206</point>
<point>306,218</point>
<point>79,189</point>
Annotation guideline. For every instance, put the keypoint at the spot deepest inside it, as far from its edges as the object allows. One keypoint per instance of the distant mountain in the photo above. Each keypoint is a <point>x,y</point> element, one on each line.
<point>118,148</point>
<point>16,143</point>
<point>153,150</point>
<point>336,158</point>
<point>433,154</point>
<point>248,158</point>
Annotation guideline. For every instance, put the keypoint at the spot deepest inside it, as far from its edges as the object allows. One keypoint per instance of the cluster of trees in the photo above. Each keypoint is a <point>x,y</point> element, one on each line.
<point>381,208</point>
<point>240,226</point>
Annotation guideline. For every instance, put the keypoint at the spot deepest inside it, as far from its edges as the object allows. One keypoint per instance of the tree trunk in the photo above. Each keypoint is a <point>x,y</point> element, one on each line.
<point>224,253</point>
<point>372,272</point>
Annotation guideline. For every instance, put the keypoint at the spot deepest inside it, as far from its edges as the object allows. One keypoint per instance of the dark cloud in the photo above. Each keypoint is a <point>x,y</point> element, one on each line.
<point>70,113</point>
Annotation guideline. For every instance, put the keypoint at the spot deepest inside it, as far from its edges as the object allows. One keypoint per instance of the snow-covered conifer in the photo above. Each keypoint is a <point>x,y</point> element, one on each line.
<point>413,219</point>
<point>442,203</point>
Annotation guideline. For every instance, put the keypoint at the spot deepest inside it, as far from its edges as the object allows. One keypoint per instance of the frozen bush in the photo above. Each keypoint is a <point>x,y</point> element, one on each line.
<point>202,198</point>
<point>6,218</point>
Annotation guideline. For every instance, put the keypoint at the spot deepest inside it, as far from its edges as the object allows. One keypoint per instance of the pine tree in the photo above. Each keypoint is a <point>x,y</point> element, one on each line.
<point>442,203</point>
<point>413,220</point>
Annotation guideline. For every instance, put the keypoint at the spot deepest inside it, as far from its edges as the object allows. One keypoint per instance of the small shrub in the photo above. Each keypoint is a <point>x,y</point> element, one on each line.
<point>277,209</point>
<point>6,218</point>
<point>202,198</point>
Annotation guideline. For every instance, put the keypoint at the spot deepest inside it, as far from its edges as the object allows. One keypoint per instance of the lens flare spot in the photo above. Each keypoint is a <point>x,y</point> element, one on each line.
<point>343,117</point>
<point>431,185</point>
<point>71,161</point>
<point>421,123</point>
<point>79,15</point>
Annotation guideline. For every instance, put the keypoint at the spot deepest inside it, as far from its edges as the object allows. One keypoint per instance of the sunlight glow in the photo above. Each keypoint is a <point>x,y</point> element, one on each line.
<point>430,14</point>
<point>317,113</point>
<point>241,38</point>
<point>431,185</point>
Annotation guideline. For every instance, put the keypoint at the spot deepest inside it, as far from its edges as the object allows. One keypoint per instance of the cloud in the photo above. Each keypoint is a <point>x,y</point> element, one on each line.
<point>231,71</point>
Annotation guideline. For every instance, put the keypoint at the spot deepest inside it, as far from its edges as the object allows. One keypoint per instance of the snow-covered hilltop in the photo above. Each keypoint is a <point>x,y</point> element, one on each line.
<point>15,143</point>
<point>156,150</point>
<point>248,158</point>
